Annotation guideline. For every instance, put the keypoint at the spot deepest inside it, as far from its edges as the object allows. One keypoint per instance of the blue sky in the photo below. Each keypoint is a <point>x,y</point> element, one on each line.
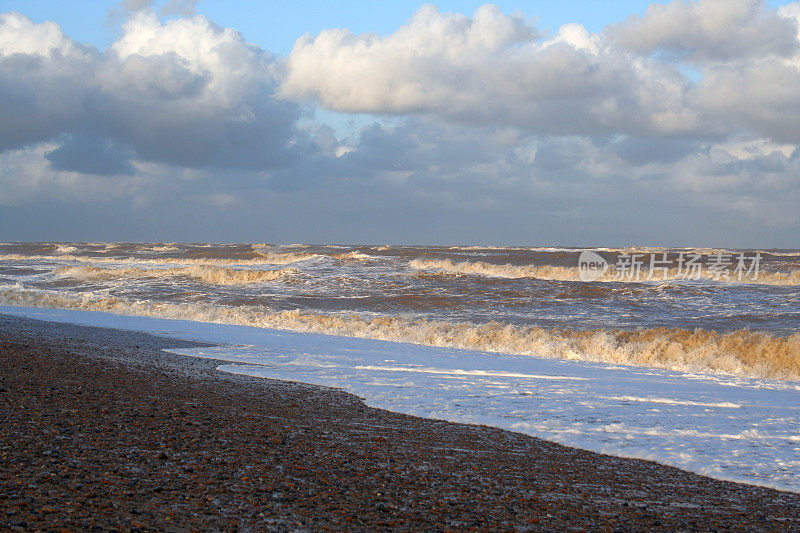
<point>275,26</point>
<point>456,123</point>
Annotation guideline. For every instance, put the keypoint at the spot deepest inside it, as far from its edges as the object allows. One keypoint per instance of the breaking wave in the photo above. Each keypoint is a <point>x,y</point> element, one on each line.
<point>65,249</point>
<point>294,257</point>
<point>262,257</point>
<point>559,273</point>
<point>281,258</point>
<point>204,273</point>
<point>354,256</point>
<point>741,352</point>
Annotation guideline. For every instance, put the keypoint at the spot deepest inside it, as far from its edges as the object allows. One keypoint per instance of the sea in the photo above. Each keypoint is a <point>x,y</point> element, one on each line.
<point>686,356</point>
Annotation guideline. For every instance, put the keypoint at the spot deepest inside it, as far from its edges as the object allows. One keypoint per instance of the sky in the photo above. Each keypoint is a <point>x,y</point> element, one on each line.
<point>535,123</point>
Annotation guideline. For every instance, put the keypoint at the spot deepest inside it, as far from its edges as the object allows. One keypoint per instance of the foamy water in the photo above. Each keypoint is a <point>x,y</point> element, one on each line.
<point>513,300</point>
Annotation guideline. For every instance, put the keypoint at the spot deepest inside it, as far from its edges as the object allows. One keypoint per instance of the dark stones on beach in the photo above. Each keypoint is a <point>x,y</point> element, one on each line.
<point>101,431</point>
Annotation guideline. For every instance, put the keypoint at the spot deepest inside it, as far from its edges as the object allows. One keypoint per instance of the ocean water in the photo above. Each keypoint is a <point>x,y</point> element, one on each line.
<point>521,301</point>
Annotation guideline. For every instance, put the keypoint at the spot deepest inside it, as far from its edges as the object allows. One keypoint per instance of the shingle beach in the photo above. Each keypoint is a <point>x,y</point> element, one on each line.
<point>102,430</point>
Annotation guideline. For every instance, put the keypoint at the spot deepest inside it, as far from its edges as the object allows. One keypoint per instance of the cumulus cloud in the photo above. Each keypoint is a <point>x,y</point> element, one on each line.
<point>490,69</point>
<point>190,93</point>
<point>760,97</point>
<point>708,30</point>
<point>185,92</point>
<point>758,94</point>
<point>42,77</point>
<point>494,70</point>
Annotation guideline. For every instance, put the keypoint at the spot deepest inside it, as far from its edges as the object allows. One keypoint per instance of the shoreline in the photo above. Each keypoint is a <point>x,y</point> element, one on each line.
<point>185,446</point>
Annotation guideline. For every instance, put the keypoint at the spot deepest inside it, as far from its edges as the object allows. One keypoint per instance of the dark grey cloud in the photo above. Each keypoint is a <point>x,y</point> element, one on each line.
<point>455,186</point>
<point>412,146</point>
<point>135,5</point>
<point>124,8</point>
<point>642,150</point>
<point>91,156</point>
<point>41,94</point>
<point>556,156</point>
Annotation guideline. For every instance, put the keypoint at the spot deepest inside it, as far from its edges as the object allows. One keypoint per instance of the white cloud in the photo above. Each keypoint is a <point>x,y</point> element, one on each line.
<point>42,80</point>
<point>19,35</point>
<point>493,70</point>
<point>757,94</point>
<point>489,70</point>
<point>708,30</point>
<point>185,92</point>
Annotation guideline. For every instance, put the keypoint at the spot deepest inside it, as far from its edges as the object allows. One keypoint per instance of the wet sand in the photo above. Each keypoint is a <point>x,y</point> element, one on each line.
<point>100,429</point>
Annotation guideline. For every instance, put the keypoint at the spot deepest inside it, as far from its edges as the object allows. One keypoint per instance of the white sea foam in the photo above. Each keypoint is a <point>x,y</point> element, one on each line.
<point>560,273</point>
<point>739,353</point>
<point>204,273</point>
<point>355,256</point>
<point>673,401</point>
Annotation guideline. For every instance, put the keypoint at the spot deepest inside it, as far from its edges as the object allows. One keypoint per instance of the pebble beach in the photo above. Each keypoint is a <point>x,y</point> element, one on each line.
<point>102,430</point>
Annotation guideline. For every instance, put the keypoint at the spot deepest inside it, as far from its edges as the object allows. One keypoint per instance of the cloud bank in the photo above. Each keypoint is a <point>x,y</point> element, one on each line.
<point>482,127</point>
<point>491,69</point>
<point>494,70</point>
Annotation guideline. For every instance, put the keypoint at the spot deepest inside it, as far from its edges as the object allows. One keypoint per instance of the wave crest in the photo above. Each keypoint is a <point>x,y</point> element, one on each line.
<point>559,273</point>
<point>281,258</point>
<point>741,352</point>
<point>206,274</point>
